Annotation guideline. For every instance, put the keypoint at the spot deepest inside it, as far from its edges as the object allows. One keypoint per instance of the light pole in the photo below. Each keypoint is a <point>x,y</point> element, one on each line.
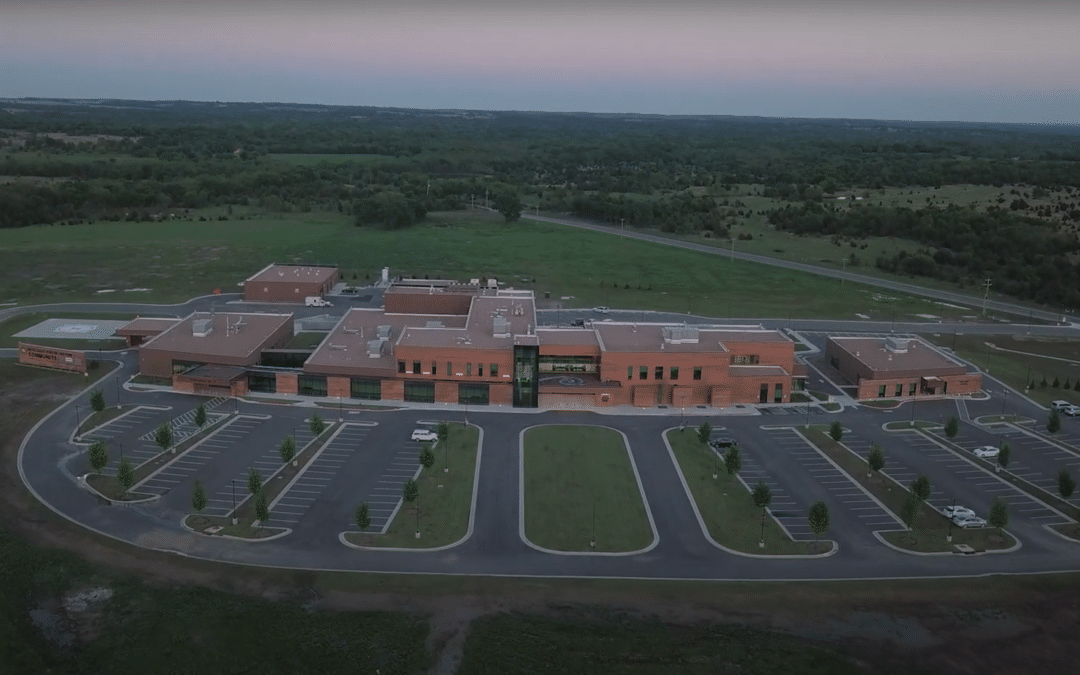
<point>234,501</point>
<point>761,542</point>
<point>592,542</point>
<point>117,381</point>
<point>418,516</point>
<point>985,294</point>
<point>1027,379</point>
<point>1003,399</point>
<point>339,409</point>
<point>78,421</point>
<point>988,358</point>
<point>949,537</point>
<point>913,398</point>
<point>732,258</point>
<point>121,450</point>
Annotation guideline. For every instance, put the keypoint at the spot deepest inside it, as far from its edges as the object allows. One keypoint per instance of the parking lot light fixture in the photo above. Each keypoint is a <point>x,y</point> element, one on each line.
<point>1003,399</point>
<point>78,421</point>
<point>949,536</point>
<point>234,501</point>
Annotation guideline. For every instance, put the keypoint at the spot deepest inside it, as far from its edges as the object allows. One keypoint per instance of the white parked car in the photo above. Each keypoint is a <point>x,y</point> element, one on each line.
<point>600,310</point>
<point>1059,405</point>
<point>953,511</point>
<point>968,522</point>
<point>424,435</point>
<point>1071,411</point>
<point>986,452</point>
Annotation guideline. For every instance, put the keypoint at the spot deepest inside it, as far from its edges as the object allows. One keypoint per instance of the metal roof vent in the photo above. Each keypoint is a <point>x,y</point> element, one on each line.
<point>897,345</point>
<point>384,332</point>
<point>202,327</point>
<point>500,327</point>
<point>434,324</point>
<point>678,335</point>
<point>374,348</point>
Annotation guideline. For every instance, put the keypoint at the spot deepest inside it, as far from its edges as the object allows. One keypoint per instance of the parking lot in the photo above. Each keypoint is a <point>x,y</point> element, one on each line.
<point>1034,458</point>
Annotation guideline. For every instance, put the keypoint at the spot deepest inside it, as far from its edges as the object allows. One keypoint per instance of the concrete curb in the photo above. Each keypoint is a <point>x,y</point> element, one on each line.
<point>279,535</point>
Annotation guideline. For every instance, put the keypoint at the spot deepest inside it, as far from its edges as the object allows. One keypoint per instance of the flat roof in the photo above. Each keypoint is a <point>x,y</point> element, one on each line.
<point>569,337</point>
<point>294,273</point>
<point>232,334</point>
<point>872,353</point>
<point>514,314</point>
<point>648,337</point>
<point>146,325</point>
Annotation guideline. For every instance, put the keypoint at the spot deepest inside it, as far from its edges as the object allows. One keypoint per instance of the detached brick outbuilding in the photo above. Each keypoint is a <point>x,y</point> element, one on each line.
<point>290,283</point>
<point>899,367</point>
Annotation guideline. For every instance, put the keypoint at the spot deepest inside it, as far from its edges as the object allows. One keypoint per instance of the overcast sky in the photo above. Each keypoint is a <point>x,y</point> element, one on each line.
<point>974,60</point>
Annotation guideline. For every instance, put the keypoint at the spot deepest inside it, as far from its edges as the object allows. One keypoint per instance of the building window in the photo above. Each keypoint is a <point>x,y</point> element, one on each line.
<point>763,395</point>
<point>449,369</point>
<point>881,391</point>
<point>629,372</point>
<point>468,369</point>
<point>658,374</point>
<point>674,374</point>
<point>778,393</point>
<point>473,393</point>
<point>494,370</point>
<point>365,388</point>
<point>415,367</point>
<point>420,392</point>
<point>911,389</point>
<point>899,389</point>
<point>835,363</point>
<point>401,366</point>
<point>434,368</point>
<point>643,372</point>
<point>480,369</point>
<point>697,372</point>
<point>311,385</point>
<point>745,360</point>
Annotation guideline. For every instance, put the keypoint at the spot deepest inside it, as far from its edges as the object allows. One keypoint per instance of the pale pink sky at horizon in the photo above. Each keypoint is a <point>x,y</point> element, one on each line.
<point>961,59</point>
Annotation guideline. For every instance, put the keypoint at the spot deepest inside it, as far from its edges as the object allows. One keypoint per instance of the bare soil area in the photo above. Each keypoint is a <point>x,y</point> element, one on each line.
<point>996,625</point>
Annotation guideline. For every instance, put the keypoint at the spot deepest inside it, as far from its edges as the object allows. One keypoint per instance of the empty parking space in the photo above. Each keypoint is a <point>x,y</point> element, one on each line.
<point>293,504</point>
<point>129,425</point>
<point>183,426</point>
<point>1035,459</point>
<point>899,470</point>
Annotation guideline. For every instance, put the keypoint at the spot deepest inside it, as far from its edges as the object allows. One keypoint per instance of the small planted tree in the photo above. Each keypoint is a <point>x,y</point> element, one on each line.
<point>262,508</point>
<point>316,424</point>
<point>97,400</point>
<point>362,516</point>
<point>836,431</point>
<point>999,515</point>
<point>1066,484</point>
<point>442,431</point>
<point>427,457</point>
<point>254,481</point>
<point>200,415</point>
<point>875,460</point>
<point>198,496</point>
<point>952,427</point>
<point>909,510</point>
<point>1004,455</point>
<point>818,518</point>
<point>733,460</point>
<point>163,436</point>
<point>410,492</point>
<point>761,496</point>
<point>287,450</point>
<point>704,432</point>
<point>1053,424</point>
<point>98,456</point>
<point>920,488</point>
<point>125,475</point>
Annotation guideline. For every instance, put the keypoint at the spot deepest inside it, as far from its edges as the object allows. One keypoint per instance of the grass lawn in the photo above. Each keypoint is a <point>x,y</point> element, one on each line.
<point>572,472</point>
<point>99,418</point>
<point>931,529</point>
<point>725,505</point>
<point>1014,368</point>
<point>616,644</point>
<point>445,501</point>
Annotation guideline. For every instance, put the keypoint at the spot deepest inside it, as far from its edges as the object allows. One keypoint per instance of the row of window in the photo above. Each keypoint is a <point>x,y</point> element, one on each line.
<point>493,369</point>
<point>658,372</point>
<point>898,390</point>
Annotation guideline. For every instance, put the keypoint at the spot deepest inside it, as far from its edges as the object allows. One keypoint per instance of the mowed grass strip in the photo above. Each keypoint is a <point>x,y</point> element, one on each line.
<point>569,472</point>
<point>725,505</point>
<point>445,500</point>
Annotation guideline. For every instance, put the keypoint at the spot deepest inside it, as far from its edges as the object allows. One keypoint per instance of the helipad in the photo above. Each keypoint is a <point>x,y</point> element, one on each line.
<point>72,329</point>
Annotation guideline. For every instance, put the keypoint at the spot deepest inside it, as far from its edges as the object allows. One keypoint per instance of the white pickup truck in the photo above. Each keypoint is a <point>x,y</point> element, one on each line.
<point>316,301</point>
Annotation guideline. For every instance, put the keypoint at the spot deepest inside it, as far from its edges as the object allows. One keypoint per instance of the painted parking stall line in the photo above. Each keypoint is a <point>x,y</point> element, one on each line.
<point>184,427</point>
<point>304,491</point>
<point>788,513</point>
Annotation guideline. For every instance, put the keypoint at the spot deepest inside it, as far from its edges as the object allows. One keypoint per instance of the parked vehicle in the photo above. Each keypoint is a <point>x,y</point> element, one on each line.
<point>987,452</point>
<point>1071,411</point>
<point>952,511</point>
<point>968,522</point>
<point>316,301</point>
<point>600,310</point>
<point>722,443</point>
<point>424,435</point>
<point>577,323</point>
<point>1059,405</point>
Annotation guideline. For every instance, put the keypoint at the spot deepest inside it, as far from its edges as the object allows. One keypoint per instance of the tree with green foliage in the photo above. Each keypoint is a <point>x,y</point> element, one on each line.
<point>1056,384</point>
<point>287,449</point>
<point>125,474</point>
<point>920,487</point>
<point>733,460</point>
<point>254,481</point>
<point>1044,383</point>
<point>200,415</point>
<point>163,436</point>
<point>97,400</point>
<point>198,496</point>
<point>508,203</point>
<point>818,518</point>
<point>836,431</point>
<point>410,492</point>
<point>875,461</point>
<point>909,511</point>
<point>761,496</point>
<point>1076,385</point>
<point>442,431</point>
<point>1053,424</point>
<point>1004,455</point>
<point>704,432</point>
<point>262,508</point>
<point>316,424</point>
<point>427,457</point>
<point>1066,484</point>
<point>999,515</point>
<point>98,455</point>
<point>362,516</point>
<point>952,427</point>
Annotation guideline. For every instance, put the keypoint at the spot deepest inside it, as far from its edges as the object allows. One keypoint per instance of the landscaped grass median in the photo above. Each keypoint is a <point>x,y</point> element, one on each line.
<point>445,500</point>
<point>572,472</point>
<point>930,531</point>
<point>725,505</point>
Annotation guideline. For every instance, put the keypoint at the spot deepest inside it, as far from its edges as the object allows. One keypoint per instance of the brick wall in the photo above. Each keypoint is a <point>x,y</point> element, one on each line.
<point>446,392</point>
<point>501,394</point>
<point>393,390</point>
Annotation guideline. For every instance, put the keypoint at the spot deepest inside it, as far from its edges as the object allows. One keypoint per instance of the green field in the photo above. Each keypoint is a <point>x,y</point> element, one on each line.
<point>178,260</point>
<point>572,472</point>
<point>725,505</point>
<point>445,500</point>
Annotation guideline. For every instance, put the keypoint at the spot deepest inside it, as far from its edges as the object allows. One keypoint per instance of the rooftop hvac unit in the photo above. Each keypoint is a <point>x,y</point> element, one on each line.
<point>433,324</point>
<point>202,327</point>
<point>374,348</point>
<point>384,332</point>
<point>500,327</point>
<point>680,334</point>
<point>897,345</point>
